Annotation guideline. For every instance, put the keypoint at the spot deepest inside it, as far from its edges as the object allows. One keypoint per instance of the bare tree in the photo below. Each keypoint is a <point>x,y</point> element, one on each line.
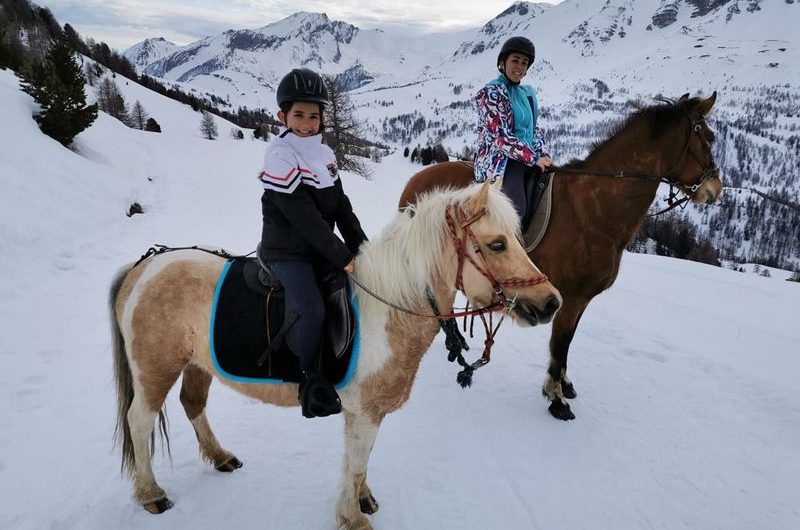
<point>208,127</point>
<point>110,100</point>
<point>139,115</point>
<point>342,131</point>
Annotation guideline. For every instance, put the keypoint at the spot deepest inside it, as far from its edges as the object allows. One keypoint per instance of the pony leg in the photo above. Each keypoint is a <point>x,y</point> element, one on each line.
<point>557,386</point>
<point>356,497</point>
<point>194,395</point>
<point>141,419</point>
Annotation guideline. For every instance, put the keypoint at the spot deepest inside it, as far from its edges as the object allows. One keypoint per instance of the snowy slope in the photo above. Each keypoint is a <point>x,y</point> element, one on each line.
<point>688,407</point>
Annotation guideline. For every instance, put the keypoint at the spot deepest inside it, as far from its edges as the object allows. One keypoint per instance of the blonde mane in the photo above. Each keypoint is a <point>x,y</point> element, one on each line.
<point>415,248</point>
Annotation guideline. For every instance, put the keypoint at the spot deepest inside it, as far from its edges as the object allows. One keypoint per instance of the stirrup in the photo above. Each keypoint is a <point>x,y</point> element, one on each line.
<point>318,398</point>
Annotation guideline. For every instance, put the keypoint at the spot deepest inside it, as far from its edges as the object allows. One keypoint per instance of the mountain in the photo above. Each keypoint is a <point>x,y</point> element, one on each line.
<point>149,51</point>
<point>596,60</point>
<point>245,65</point>
<point>636,42</point>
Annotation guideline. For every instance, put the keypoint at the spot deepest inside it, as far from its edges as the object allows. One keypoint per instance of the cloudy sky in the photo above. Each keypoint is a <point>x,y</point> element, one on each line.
<point>121,23</point>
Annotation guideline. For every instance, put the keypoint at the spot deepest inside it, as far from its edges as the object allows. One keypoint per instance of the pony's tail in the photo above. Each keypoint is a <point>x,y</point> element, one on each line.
<point>124,383</point>
<point>122,377</point>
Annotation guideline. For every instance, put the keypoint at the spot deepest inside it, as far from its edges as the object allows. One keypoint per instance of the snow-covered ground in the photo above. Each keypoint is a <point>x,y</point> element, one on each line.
<point>688,407</point>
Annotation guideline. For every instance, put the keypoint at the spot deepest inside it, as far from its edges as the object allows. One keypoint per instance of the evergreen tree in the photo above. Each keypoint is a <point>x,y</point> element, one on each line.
<point>405,152</point>
<point>75,41</point>
<point>12,53</point>
<point>426,155</point>
<point>152,126</point>
<point>440,154</point>
<point>57,86</point>
<point>208,127</point>
<point>139,115</point>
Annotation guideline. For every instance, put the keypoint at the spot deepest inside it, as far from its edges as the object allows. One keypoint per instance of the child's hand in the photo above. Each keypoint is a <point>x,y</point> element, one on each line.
<point>350,267</point>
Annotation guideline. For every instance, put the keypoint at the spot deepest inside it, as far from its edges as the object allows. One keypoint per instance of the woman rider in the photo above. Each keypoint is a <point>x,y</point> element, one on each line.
<point>510,144</point>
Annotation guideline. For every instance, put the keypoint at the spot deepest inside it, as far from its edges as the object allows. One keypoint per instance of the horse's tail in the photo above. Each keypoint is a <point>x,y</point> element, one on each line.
<point>124,383</point>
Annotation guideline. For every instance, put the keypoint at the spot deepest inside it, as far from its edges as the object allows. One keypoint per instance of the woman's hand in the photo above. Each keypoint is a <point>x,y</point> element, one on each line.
<point>544,163</point>
<point>350,267</point>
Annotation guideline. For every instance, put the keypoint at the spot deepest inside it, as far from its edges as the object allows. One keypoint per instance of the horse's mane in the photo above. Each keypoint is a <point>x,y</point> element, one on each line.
<point>411,250</point>
<point>657,119</point>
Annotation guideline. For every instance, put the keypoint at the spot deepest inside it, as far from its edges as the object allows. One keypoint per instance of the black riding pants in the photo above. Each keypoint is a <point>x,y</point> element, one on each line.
<point>304,301</point>
<point>516,185</point>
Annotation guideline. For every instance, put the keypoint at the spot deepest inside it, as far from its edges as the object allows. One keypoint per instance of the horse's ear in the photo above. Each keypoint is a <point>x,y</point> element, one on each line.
<point>479,201</point>
<point>704,107</point>
<point>683,98</point>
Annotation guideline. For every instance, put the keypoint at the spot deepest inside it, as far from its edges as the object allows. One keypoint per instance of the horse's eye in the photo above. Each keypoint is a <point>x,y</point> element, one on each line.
<point>498,245</point>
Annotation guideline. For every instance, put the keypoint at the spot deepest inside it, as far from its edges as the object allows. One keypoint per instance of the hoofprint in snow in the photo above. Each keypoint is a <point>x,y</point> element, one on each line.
<point>688,410</point>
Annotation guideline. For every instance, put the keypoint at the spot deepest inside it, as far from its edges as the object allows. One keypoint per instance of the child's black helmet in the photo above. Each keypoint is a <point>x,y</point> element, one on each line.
<point>302,84</point>
<point>520,45</point>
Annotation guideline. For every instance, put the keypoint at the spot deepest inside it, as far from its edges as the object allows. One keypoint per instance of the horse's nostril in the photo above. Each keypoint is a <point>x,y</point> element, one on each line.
<point>552,306</point>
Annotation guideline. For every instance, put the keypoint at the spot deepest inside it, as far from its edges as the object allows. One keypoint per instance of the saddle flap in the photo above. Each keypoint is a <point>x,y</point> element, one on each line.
<point>339,320</point>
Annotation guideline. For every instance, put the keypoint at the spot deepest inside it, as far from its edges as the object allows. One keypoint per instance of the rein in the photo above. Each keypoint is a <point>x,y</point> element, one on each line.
<point>163,249</point>
<point>499,300</point>
<point>456,218</point>
<point>707,172</point>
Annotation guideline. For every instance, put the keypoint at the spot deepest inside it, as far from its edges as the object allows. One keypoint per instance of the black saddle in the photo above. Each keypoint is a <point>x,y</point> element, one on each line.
<point>249,328</point>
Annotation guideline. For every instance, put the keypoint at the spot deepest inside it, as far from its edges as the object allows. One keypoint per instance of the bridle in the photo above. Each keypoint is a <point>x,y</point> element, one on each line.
<point>457,219</point>
<point>708,171</point>
<point>461,220</point>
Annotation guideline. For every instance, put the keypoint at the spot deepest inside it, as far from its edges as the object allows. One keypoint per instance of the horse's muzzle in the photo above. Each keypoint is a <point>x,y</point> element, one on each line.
<point>527,311</point>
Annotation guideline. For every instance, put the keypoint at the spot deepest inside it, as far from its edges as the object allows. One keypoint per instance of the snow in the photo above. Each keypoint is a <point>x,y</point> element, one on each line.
<point>688,407</point>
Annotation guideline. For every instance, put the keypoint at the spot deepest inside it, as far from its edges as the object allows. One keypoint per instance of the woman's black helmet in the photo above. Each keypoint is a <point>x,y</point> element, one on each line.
<point>302,84</point>
<point>520,45</point>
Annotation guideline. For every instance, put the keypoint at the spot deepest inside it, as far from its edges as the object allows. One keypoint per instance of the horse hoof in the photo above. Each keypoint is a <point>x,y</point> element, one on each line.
<point>159,506</point>
<point>561,411</point>
<point>232,464</point>
<point>568,390</point>
<point>368,505</point>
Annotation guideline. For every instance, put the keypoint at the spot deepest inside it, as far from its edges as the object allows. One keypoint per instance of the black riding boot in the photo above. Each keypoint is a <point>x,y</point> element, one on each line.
<point>318,397</point>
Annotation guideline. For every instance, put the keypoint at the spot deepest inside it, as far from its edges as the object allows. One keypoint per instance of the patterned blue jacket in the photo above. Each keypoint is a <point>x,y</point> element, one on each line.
<point>507,116</point>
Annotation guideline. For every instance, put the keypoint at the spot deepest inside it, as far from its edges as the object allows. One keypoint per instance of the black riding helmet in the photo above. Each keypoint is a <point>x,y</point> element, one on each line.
<point>302,84</point>
<point>519,45</point>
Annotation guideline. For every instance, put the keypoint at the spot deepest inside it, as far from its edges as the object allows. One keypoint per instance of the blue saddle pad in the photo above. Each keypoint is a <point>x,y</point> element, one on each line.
<point>242,321</point>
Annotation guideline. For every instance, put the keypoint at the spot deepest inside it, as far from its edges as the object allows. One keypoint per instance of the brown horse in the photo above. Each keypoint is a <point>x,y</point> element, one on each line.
<point>595,215</point>
<point>161,312</point>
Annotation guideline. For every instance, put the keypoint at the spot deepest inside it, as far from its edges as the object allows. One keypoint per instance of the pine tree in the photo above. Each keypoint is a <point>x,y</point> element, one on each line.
<point>405,152</point>
<point>152,126</point>
<point>139,115</point>
<point>208,127</point>
<point>57,86</point>
<point>12,54</point>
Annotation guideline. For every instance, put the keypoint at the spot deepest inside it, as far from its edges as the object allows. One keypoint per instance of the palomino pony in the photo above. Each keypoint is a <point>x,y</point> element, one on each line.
<point>594,215</point>
<point>161,312</point>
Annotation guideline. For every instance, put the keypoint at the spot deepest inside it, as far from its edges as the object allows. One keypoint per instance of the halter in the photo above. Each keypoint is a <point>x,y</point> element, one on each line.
<point>499,298</point>
<point>707,172</point>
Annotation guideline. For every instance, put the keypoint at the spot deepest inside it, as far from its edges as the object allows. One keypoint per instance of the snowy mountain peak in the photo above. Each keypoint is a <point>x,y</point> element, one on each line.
<point>516,20</point>
<point>309,26</point>
<point>149,51</point>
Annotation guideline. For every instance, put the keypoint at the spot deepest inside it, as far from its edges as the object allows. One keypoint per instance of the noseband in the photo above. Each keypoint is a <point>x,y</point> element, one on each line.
<point>671,177</point>
<point>499,298</point>
<point>707,172</point>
